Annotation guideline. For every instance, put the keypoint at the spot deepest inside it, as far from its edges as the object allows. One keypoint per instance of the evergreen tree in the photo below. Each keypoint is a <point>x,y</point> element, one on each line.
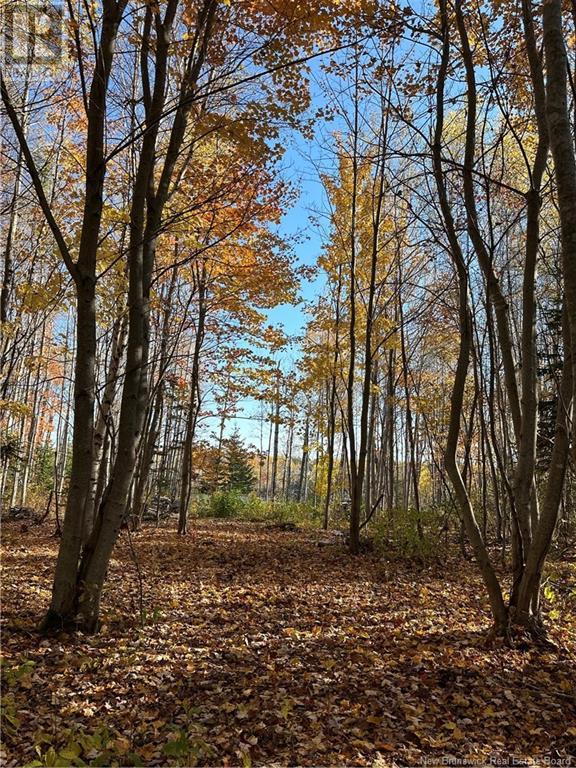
<point>238,474</point>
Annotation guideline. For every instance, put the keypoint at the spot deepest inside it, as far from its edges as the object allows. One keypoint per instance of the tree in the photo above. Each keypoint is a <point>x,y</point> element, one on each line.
<point>187,65</point>
<point>435,378</point>
<point>238,474</point>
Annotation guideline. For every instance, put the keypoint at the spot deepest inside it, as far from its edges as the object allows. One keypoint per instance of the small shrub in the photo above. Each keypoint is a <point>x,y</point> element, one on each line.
<point>255,508</point>
<point>401,528</point>
<point>226,504</point>
<point>298,512</point>
<point>232,504</point>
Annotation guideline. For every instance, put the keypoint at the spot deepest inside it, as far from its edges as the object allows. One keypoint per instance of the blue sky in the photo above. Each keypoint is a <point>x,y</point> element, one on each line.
<point>304,225</point>
<point>295,222</point>
<point>299,167</point>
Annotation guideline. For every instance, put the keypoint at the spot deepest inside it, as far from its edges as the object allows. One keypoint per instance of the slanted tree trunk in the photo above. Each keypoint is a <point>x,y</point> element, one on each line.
<point>355,478</point>
<point>495,596</point>
<point>520,514</point>
<point>524,483</point>
<point>332,400</point>
<point>146,213</point>
<point>527,605</point>
<point>562,146</point>
<point>83,271</point>
<point>413,465</point>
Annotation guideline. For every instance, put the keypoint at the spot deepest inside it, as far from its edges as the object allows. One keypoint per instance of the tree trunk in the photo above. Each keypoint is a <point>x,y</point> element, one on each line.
<point>193,405</point>
<point>276,420</point>
<point>103,422</point>
<point>304,461</point>
<point>499,610</point>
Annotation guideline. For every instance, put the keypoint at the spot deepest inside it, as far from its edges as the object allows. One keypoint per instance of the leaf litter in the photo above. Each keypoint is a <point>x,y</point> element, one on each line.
<point>245,645</point>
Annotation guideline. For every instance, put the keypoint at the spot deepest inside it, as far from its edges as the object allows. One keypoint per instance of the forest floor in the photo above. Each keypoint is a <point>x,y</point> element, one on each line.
<point>257,646</point>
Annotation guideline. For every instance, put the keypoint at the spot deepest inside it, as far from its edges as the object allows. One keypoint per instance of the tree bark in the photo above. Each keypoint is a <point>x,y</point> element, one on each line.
<point>498,606</point>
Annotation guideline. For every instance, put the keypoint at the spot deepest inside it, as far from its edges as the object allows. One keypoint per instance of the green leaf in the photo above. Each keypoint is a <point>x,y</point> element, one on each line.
<point>177,747</point>
<point>103,759</point>
<point>134,759</point>
<point>12,719</point>
<point>71,751</point>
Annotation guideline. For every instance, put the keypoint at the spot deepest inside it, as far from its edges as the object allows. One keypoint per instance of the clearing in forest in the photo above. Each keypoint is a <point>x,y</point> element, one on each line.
<point>241,644</point>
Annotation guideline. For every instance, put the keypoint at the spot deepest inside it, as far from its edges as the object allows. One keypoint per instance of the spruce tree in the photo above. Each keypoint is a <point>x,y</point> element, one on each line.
<point>238,474</point>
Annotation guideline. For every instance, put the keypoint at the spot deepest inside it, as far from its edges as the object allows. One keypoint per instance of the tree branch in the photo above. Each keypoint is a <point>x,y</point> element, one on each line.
<point>36,181</point>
